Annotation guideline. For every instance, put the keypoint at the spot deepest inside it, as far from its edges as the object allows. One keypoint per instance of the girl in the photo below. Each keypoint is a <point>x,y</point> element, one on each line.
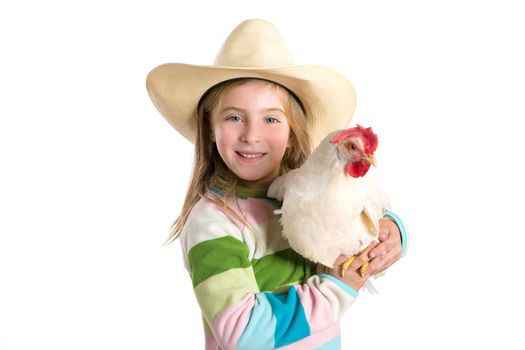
<point>257,116</point>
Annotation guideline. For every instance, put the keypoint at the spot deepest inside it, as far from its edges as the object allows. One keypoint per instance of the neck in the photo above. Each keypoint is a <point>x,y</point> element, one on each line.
<point>239,188</point>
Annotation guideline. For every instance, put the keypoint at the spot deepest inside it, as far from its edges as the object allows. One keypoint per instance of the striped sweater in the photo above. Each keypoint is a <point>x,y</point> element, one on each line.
<point>254,291</point>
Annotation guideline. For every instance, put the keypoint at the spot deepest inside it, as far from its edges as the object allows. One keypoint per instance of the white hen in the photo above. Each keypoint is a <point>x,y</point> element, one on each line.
<point>332,204</point>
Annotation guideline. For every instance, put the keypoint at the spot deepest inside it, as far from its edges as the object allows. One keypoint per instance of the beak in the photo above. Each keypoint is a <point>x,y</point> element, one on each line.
<point>370,159</point>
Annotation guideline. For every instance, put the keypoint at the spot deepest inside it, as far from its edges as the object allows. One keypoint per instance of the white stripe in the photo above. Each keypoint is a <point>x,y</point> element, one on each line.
<point>206,223</point>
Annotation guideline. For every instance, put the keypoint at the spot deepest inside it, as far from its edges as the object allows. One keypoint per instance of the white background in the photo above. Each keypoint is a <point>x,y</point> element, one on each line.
<point>91,176</point>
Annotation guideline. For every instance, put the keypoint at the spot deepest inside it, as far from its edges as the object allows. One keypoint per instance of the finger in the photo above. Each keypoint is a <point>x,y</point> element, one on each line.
<point>388,229</point>
<point>391,244</point>
<point>362,257</point>
<point>379,250</point>
<point>384,229</point>
<point>340,260</point>
<point>338,265</point>
<point>381,263</point>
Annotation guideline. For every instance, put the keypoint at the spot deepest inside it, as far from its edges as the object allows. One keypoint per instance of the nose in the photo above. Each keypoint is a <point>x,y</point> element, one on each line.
<point>250,134</point>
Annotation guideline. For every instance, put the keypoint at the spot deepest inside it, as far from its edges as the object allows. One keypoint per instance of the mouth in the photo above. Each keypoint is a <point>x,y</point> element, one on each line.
<point>250,155</point>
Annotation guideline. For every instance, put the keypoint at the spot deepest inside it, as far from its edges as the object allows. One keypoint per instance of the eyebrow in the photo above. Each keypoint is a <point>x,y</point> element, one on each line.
<point>238,109</point>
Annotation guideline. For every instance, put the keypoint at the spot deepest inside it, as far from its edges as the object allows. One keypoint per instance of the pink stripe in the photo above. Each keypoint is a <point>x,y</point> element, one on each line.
<point>210,343</point>
<point>316,340</point>
<point>258,210</point>
<point>230,323</point>
<point>317,308</point>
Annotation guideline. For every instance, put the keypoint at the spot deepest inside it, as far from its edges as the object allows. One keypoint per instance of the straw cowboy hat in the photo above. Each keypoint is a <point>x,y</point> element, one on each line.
<point>255,49</point>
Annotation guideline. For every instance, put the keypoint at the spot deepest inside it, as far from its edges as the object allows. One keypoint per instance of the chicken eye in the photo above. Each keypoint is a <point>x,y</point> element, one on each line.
<point>351,147</point>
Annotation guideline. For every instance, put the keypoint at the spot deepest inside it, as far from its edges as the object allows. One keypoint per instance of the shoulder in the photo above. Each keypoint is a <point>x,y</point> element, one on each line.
<point>207,221</point>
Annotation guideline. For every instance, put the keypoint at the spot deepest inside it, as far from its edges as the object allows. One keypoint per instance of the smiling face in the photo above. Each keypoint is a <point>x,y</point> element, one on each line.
<point>251,131</point>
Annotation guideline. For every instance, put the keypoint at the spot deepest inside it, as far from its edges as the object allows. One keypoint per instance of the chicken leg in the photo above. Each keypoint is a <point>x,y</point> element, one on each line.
<point>349,261</point>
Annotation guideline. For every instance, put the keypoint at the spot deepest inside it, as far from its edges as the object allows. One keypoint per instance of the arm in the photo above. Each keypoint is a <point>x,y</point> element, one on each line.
<point>392,245</point>
<point>238,313</point>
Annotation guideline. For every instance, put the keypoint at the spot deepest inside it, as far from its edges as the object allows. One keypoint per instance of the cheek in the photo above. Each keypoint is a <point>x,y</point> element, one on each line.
<point>281,140</point>
<point>226,141</point>
<point>222,135</point>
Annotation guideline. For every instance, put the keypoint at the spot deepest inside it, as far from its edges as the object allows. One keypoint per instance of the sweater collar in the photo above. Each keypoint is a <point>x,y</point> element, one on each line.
<point>221,186</point>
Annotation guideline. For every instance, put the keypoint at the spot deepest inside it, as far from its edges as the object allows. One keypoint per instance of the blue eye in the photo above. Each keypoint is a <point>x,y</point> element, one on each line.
<point>272,120</point>
<point>234,118</point>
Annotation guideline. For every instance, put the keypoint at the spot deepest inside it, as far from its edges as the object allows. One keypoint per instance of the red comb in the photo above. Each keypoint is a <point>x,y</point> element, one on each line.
<point>371,140</point>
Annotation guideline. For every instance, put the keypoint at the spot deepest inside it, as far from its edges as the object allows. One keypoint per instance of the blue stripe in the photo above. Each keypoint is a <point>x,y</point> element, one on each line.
<point>341,284</point>
<point>402,230</point>
<point>258,333</point>
<point>291,324</point>
<point>334,344</point>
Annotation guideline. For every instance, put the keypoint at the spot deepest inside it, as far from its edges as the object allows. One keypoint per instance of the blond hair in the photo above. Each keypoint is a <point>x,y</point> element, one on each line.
<point>209,166</point>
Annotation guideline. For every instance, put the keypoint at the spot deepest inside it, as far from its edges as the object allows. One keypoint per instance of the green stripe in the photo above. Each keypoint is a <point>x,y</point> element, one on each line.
<point>207,329</point>
<point>280,269</point>
<point>218,292</point>
<point>214,256</point>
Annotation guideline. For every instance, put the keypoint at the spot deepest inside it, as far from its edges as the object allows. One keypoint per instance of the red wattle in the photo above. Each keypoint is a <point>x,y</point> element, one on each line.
<point>358,169</point>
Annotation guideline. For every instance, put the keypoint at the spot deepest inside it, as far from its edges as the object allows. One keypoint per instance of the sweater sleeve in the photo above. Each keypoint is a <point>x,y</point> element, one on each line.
<point>402,230</point>
<point>238,313</point>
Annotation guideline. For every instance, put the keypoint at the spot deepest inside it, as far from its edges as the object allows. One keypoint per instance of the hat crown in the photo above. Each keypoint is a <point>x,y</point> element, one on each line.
<point>254,43</point>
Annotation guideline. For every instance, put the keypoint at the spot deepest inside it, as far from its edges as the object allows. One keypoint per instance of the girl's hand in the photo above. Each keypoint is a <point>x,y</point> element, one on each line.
<point>352,275</point>
<point>388,251</point>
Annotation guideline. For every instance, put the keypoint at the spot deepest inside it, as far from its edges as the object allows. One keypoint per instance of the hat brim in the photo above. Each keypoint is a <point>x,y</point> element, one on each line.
<point>327,96</point>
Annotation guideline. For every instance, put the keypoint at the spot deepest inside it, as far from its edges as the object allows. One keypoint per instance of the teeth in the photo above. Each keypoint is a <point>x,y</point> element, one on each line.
<point>244,155</point>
